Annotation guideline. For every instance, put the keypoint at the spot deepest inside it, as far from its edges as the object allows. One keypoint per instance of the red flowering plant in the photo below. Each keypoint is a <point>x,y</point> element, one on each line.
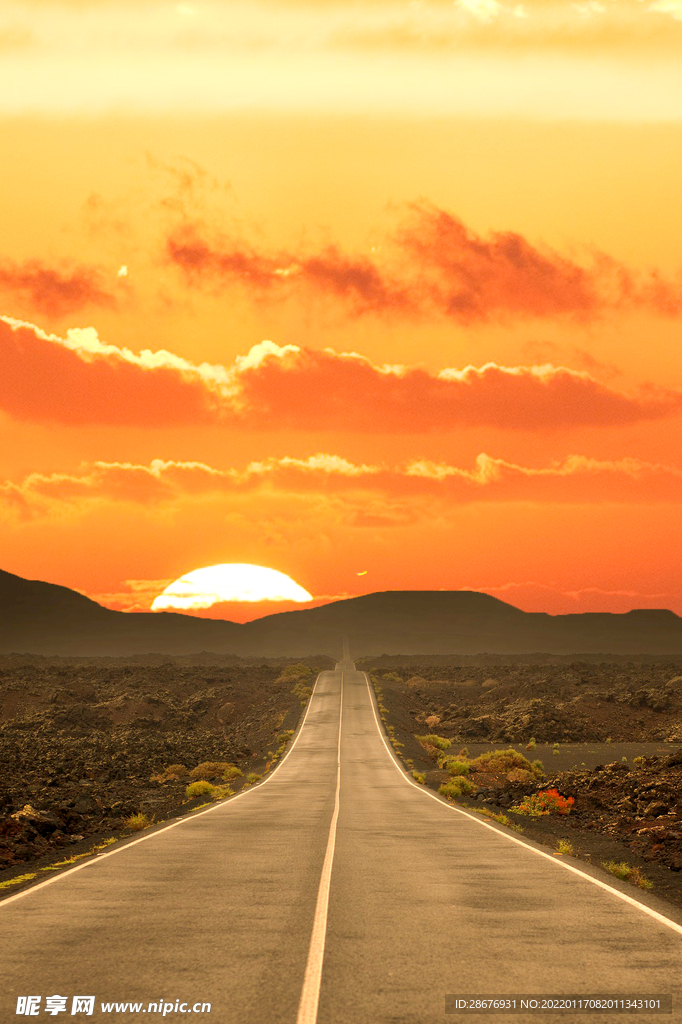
<point>547,801</point>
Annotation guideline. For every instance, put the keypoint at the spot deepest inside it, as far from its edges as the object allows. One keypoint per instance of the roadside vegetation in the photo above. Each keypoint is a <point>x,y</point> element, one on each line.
<point>627,873</point>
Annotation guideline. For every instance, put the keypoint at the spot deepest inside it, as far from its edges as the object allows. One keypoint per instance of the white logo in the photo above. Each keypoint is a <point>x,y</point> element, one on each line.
<point>55,1005</point>
<point>28,1006</point>
<point>83,1004</point>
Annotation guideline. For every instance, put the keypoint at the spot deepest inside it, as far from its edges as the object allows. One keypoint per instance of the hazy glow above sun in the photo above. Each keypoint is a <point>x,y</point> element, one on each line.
<point>230,581</point>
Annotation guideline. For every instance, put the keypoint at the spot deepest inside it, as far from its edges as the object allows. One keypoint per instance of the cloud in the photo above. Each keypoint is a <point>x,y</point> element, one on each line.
<point>50,291</point>
<point>326,390</point>
<point>434,265</point>
<point>364,494</point>
<point>80,379</point>
<point>356,280</point>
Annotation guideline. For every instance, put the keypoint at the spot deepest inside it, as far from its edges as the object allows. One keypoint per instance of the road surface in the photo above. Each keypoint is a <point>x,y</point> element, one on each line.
<point>337,892</point>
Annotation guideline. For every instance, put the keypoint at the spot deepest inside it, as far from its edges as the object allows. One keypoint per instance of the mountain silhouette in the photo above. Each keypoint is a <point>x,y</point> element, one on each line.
<point>42,618</point>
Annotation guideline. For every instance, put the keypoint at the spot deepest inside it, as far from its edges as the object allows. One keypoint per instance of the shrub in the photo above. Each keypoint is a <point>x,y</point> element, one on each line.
<point>457,787</point>
<point>627,873</point>
<point>17,880</point>
<point>555,749</point>
<point>547,801</point>
<point>608,739</point>
<point>503,761</point>
<point>565,846</point>
<point>175,771</point>
<point>501,819</point>
<point>432,721</point>
<point>419,777</point>
<point>638,761</point>
<point>253,777</point>
<point>297,671</point>
<point>302,691</point>
<point>530,745</point>
<point>538,768</point>
<point>136,822</point>
<point>231,772</point>
<point>199,788</point>
<point>455,767</point>
<point>285,736</point>
<point>210,770</point>
<point>203,788</point>
<point>431,740</point>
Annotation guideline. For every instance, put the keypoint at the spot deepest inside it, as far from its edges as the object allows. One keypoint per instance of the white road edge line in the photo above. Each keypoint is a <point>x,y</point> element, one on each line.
<point>312,980</point>
<point>512,839</point>
<point>181,821</point>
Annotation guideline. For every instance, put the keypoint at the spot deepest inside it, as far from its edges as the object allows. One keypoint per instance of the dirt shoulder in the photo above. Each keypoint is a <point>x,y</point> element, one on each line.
<point>626,794</point>
<point>88,744</point>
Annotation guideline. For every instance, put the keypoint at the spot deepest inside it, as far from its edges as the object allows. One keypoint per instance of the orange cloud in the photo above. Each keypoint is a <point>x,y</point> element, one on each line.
<point>324,390</point>
<point>80,379</point>
<point>447,269</point>
<point>356,280</point>
<point>366,494</point>
<point>49,291</point>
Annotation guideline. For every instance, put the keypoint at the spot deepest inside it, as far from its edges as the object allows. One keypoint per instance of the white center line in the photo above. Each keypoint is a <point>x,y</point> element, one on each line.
<point>310,994</point>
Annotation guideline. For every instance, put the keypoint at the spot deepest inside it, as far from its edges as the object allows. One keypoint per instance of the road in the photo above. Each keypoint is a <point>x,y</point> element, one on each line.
<point>337,892</point>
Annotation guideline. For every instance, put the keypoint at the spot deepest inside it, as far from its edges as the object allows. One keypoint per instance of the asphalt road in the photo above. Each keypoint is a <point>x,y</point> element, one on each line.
<point>336,892</point>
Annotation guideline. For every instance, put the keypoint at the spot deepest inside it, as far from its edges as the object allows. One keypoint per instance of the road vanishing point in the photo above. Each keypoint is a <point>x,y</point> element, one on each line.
<point>335,891</point>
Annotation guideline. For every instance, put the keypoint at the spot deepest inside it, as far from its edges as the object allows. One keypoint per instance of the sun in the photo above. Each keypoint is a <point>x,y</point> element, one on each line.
<point>230,581</point>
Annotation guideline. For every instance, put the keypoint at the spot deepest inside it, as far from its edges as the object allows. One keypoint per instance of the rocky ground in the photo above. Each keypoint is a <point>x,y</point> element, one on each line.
<point>561,702</point>
<point>86,743</point>
<point>627,806</point>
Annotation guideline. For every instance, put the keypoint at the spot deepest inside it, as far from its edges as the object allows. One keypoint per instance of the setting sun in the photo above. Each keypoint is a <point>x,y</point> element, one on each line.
<point>235,581</point>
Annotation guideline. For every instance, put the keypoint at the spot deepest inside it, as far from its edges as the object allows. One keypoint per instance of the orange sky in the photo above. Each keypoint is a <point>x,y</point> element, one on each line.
<point>391,287</point>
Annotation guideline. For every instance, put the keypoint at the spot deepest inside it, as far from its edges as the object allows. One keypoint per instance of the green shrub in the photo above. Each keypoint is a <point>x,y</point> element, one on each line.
<point>419,777</point>
<point>297,671</point>
<point>199,788</point>
<point>627,873</point>
<point>504,761</point>
<point>530,745</point>
<point>210,770</point>
<point>285,736</point>
<point>565,846</point>
<point>253,777</point>
<point>457,787</point>
<point>17,880</point>
<point>302,691</point>
<point>175,771</point>
<point>501,819</point>
<point>456,767</point>
<point>232,772</point>
<point>538,768</point>
<point>431,740</point>
<point>136,822</point>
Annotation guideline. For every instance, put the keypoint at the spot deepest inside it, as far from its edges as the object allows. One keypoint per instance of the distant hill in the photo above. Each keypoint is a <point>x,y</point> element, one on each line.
<point>41,618</point>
